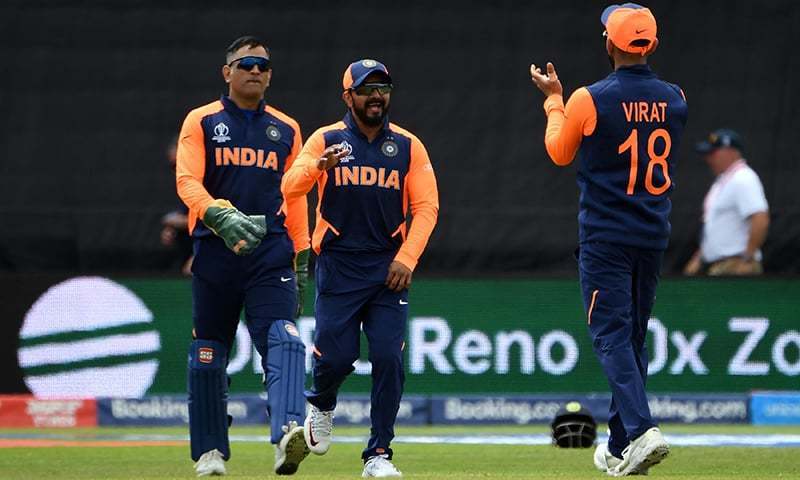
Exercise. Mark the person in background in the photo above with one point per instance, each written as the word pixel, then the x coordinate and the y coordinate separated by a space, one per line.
pixel 175 236
pixel 735 211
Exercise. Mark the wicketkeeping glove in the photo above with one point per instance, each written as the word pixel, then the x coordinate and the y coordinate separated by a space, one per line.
pixel 241 233
pixel 301 273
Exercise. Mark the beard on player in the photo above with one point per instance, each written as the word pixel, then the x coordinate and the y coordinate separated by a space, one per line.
pixel 372 113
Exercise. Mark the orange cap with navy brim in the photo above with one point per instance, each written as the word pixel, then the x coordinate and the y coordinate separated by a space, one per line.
pixel 630 27
pixel 357 72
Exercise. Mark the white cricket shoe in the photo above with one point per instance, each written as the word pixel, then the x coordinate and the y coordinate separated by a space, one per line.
pixel 603 459
pixel 291 450
pixel 380 466
pixel 318 430
pixel 210 463
pixel 644 452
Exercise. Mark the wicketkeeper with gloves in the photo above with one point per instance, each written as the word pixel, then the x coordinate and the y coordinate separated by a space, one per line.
pixel 251 250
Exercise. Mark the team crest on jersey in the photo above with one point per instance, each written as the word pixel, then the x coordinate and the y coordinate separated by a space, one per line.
pixel 221 133
pixel 389 148
pixel 273 133
pixel 349 150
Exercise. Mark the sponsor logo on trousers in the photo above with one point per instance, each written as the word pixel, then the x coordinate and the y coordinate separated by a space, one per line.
pixel 205 355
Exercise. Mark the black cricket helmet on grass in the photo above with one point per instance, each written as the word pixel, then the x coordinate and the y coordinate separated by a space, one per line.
pixel 574 427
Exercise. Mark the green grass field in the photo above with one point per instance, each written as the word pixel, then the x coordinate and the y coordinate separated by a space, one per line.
pixel 417 461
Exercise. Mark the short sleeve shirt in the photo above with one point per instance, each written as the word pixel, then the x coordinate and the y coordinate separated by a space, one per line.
pixel 735 195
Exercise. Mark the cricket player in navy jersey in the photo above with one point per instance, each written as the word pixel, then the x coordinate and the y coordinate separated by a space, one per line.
pixel 626 129
pixel 251 250
pixel 368 173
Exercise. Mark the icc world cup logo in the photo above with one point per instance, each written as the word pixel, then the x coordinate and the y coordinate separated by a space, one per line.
pixel 221 133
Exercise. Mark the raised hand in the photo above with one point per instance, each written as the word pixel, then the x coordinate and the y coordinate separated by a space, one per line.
pixel 549 83
pixel 331 156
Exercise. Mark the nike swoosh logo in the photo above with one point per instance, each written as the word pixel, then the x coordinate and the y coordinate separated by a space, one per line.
pixel 314 443
pixel 640 31
pixel 403 303
pixel 285 279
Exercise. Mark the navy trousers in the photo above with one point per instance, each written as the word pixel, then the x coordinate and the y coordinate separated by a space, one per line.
pixel 263 283
pixel 222 283
pixel 619 285
pixel 351 295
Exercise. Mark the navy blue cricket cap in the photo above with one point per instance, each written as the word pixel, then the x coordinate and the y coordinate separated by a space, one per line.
pixel 357 72
pixel 722 137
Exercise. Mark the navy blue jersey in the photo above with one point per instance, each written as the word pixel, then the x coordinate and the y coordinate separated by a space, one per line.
pixel 626 165
pixel 363 197
pixel 228 153
pixel 364 200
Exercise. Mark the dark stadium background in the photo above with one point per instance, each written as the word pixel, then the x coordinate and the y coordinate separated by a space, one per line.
pixel 91 93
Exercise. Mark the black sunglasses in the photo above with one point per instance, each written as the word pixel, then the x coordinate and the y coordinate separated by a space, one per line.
pixel 366 89
pixel 247 63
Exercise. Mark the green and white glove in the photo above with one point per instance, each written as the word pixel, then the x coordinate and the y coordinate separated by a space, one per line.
pixel 301 273
pixel 241 233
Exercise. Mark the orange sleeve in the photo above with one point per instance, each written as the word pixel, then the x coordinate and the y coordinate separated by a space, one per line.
pixel 296 208
pixel 566 127
pixel 300 178
pixel 423 197
pixel 190 167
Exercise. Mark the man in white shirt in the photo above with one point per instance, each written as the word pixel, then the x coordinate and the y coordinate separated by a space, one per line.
pixel 735 211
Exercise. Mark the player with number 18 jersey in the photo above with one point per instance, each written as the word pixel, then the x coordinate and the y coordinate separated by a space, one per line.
pixel 626 130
